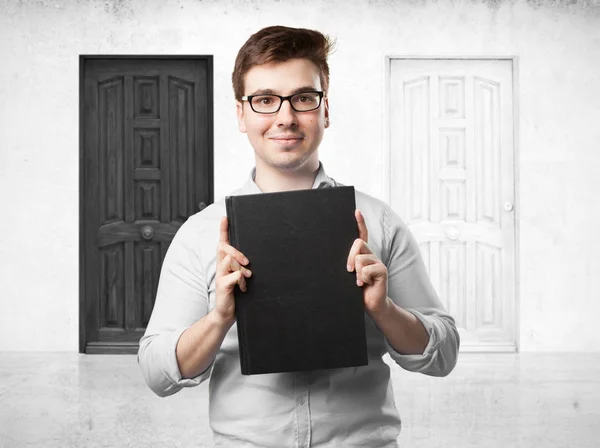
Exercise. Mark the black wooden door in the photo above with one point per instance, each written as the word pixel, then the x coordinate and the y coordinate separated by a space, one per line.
pixel 146 166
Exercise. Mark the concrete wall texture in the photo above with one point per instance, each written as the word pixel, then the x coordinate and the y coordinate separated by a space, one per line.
pixel 557 158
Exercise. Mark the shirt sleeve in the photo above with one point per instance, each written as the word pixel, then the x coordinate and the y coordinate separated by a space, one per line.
pixel 409 286
pixel 181 300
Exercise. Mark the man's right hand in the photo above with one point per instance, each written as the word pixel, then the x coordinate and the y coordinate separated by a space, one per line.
pixel 230 272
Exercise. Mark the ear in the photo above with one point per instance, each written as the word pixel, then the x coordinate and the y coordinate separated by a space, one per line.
pixel 326 104
pixel 240 116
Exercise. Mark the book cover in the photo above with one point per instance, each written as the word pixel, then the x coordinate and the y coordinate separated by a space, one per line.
pixel 302 309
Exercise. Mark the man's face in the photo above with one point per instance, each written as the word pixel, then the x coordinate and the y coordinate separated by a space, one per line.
pixel 287 139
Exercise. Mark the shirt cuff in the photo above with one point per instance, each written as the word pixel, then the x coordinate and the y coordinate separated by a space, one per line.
pixel 171 367
pixel 421 362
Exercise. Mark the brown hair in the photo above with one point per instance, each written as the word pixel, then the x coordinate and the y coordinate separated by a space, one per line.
pixel 280 43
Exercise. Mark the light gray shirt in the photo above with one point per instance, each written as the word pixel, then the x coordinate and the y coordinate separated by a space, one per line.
pixel 349 407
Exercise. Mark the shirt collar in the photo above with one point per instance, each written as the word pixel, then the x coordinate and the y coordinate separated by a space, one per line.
pixel 322 180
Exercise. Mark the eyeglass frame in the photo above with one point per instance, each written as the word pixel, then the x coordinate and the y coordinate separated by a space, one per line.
pixel 282 99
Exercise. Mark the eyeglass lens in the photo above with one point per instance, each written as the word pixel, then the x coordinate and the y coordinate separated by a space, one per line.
pixel 301 102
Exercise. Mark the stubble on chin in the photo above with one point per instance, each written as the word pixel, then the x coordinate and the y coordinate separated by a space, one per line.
pixel 286 161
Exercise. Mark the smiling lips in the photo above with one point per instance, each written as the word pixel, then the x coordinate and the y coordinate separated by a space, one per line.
pixel 287 137
pixel 287 140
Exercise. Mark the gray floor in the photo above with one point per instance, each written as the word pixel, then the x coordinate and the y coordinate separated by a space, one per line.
pixel 496 400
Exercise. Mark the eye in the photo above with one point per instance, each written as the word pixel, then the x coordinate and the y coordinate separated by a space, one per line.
pixel 264 100
pixel 305 99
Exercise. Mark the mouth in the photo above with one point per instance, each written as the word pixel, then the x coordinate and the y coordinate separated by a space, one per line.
pixel 287 137
pixel 287 140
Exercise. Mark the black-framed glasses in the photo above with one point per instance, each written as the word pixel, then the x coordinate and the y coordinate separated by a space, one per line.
pixel 271 103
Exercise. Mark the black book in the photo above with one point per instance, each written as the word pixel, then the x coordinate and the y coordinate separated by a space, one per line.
pixel 302 309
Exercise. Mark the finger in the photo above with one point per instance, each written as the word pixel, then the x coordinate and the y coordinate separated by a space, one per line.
pixel 223 238
pixel 353 252
pixel 224 249
pixel 226 265
pixel 224 230
pixel 235 278
pixel 372 272
pixel 359 246
pixel 363 233
pixel 230 264
pixel 241 281
pixel 364 261
pixel 360 262
pixel 368 275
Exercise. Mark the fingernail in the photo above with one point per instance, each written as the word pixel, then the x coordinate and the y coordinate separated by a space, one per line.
pixel 249 272
pixel 348 267
pixel 246 261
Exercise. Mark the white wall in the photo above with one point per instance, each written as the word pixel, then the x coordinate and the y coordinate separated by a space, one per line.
pixel 557 160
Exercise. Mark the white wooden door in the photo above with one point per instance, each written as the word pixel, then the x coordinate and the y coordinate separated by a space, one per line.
pixel 452 181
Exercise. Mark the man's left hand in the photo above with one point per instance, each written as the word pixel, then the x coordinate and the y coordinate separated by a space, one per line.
pixel 371 273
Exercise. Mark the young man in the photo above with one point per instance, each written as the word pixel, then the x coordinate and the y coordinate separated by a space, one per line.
pixel 280 81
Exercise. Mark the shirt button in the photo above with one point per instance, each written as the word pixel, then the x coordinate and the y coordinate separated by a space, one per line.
pixel 300 401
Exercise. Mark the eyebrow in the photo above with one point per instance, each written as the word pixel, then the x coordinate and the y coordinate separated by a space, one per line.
pixel 273 92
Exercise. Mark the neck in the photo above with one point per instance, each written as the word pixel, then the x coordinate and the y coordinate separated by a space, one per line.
pixel 270 179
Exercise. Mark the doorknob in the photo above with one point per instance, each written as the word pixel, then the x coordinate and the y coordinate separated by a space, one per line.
pixel 201 206
pixel 147 232
pixel 508 206
pixel 452 233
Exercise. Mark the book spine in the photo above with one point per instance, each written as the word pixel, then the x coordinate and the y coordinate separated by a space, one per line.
pixel 242 337
pixel 230 221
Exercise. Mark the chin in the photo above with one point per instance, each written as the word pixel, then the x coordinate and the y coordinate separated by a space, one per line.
pixel 287 164
pixel 288 160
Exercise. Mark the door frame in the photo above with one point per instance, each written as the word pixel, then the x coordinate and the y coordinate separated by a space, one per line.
pixel 387 141
pixel 82 162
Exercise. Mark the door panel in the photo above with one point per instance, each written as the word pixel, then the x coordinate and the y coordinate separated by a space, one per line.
pixel 147 163
pixel 453 183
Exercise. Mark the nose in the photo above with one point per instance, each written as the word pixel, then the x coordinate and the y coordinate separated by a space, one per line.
pixel 286 115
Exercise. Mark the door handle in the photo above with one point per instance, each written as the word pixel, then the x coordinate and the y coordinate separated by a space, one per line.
pixel 147 232
pixel 201 206
pixel 452 233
